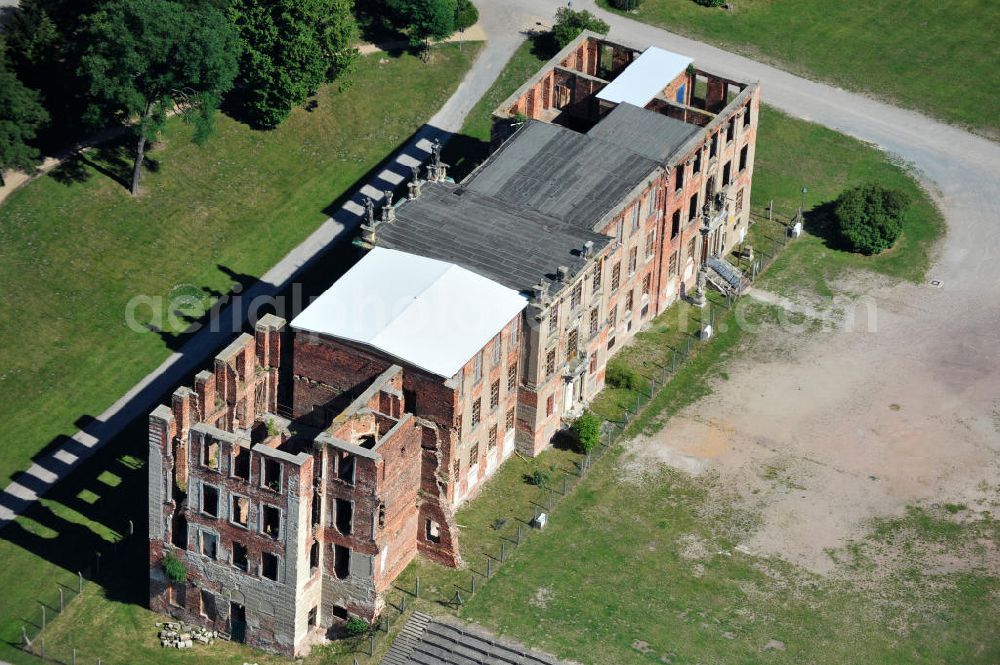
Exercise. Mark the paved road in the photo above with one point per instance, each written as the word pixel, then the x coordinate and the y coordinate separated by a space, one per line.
pixel 962 170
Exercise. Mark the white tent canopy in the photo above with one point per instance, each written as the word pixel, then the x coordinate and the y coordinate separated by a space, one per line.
pixel 645 78
pixel 432 314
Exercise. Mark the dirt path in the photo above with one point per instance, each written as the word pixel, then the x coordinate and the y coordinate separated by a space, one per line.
pixel 818 432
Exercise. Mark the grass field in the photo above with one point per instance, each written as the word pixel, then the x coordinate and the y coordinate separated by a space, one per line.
pixel 614 579
pixel 937 57
pixel 76 247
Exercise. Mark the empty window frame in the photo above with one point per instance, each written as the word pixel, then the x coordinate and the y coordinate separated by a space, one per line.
pixel 345 466
pixel 726 173
pixel 241 558
pixel 515 328
pixel 672 265
pixel 313 617
pixel 692 246
pixel 633 260
pixel 341 562
pixel 474 454
pixel 739 200
pixel 616 276
pixel 713 146
pixel 208 605
pixel 550 363
pixel 744 155
pixel 210 500
pixel 509 423
pixel 344 516
pixel 491 441
pixel 314 556
pixel 628 302
pixel 239 510
pixel 679 180
pixel 270 521
pixel 593 362
pixel 271 474
pixel 635 216
pixel 241 463
pixel 210 453
pixel 511 376
pixel 595 316
pixel 696 166
pixel 675 224
pixel 651 202
pixel 495 394
pixel 693 207
pixel 432 532
pixel 577 297
pixel 269 566
pixel 496 351
pixel 550 404
pixel 554 319
pixel 646 281
pixel 613 317
pixel 210 544
pixel 596 283
pixel 746 116
pixel 731 129
pixel 650 243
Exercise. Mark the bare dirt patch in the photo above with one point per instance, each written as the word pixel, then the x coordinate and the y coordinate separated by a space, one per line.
pixel 819 431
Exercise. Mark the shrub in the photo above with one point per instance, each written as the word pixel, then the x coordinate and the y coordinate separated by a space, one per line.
pixel 539 477
pixel 570 23
pixel 587 429
pixel 711 3
pixel 870 217
pixel 626 5
pixel 620 375
pixel 174 569
pixel 356 626
pixel 466 15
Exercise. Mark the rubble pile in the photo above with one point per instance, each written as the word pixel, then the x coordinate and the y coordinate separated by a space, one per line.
pixel 183 636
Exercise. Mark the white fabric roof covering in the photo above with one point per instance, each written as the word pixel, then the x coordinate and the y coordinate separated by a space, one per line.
pixel 645 78
pixel 429 313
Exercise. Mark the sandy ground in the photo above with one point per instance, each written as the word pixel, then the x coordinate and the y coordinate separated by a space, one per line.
pixel 817 432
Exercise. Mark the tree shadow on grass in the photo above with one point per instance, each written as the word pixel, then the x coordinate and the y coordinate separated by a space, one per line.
pixel 821 222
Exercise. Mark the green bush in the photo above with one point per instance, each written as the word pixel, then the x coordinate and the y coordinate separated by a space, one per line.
pixel 625 5
pixel 466 15
pixel 356 626
pixel 587 429
pixel 620 375
pixel 570 23
pixel 174 569
pixel 711 3
pixel 870 217
pixel 539 478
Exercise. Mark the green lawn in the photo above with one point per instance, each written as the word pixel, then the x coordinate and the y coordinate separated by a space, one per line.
pixel 76 248
pixel 937 57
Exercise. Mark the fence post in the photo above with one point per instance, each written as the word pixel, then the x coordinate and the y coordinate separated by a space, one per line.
pixel 473 584
pixel 80 587
pixel 489 567
pixel 74 656
pixel 517 536
pixel 371 645
pixel 61 604
pixel 770 209
pixel 563 489
pixel 43 614
pixel 416 593
pixel 97 572
pixel 548 501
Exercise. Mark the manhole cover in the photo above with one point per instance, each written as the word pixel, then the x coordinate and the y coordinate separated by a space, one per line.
pixel 936 283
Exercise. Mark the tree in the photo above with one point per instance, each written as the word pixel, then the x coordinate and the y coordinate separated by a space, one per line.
pixel 587 430
pixel 424 20
pixel 289 48
pixel 146 58
pixel 570 23
pixel 870 217
pixel 626 5
pixel 466 14
pixel 43 49
pixel 21 114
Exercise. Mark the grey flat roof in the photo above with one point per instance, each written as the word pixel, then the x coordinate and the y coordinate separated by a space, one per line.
pixel 561 173
pixel 496 239
pixel 647 133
